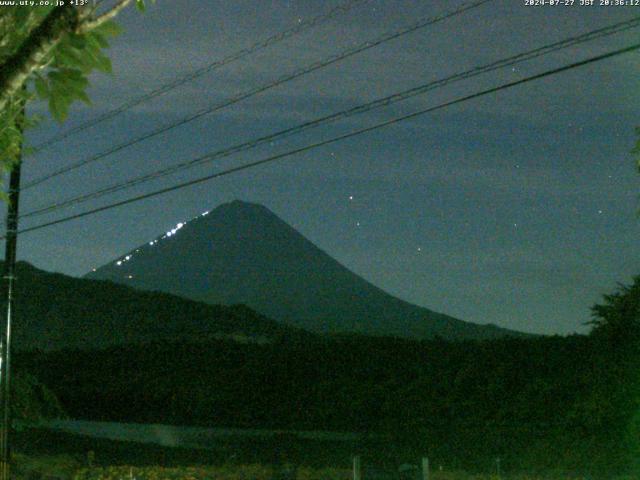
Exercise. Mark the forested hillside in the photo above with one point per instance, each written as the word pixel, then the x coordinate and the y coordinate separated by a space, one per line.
pixel 544 403
pixel 55 311
pixel 465 403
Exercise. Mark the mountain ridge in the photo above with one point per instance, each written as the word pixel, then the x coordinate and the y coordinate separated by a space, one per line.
pixel 55 311
pixel 242 252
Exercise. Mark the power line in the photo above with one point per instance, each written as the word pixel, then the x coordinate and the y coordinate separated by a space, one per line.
pixel 358 109
pixel 335 139
pixel 379 103
pixel 262 44
pixel 261 89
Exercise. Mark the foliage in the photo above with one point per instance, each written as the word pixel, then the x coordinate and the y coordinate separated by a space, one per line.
pixel 32 401
pixel 616 330
pixel 48 52
pixel 462 403
pixel 43 466
pixel 66 74
pixel 257 472
pixel 55 311
pixel 618 316
pixel 61 76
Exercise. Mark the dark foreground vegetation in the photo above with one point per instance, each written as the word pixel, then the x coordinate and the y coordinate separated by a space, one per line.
pixel 563 404
pixel 55 311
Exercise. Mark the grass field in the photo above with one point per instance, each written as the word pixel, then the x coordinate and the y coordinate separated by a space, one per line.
pixel 68 468
pixel 59 456
pixel 260 472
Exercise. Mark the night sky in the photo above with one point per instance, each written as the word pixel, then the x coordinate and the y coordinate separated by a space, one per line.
pixel 518 208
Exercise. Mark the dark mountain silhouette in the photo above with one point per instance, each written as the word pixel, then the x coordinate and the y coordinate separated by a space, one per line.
pixel 243 253
pixel 55 311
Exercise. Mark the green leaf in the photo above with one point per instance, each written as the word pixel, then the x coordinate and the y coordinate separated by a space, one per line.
pixel 140 5
pixel 110 29
pixel 104 64
pixel 97 40
pixel 70 77
pixel 94 58
pixel 59 107
pixel 77 41
pixel 81 94
pixel 41 87
pixel 67 56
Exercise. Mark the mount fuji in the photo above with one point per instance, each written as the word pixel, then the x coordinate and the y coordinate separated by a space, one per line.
pixel 242 253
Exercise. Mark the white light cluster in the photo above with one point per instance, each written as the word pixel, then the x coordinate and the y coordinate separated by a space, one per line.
pixel 126 258
pixel 168 234
pixel 175 229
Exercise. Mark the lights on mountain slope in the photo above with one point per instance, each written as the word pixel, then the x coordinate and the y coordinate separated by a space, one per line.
pixel 175 229
pixel 167 234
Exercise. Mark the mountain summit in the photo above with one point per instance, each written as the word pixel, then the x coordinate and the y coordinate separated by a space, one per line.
pixel 242 253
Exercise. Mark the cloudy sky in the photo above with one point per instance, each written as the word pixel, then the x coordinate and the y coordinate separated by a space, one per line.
pixel 518 208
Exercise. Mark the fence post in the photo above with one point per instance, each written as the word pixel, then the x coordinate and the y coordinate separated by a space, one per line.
pixel 425 468
pixel 357 472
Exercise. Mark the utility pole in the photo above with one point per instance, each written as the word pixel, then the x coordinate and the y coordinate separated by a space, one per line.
pixel 425 468
pixel 357 468
pixel 8 280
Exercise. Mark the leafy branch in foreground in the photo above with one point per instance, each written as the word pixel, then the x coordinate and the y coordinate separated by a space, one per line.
pixel 48 53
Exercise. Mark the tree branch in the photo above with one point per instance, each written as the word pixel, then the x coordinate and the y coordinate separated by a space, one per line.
pixel 15 71
pixel 110 14
pixel 30 55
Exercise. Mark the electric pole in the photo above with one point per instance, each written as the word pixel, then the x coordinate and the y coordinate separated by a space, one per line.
pixel 8 279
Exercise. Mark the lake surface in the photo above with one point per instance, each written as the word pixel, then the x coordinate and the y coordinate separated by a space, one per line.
pixel 177 436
